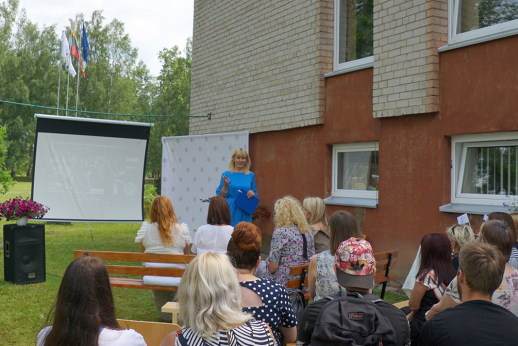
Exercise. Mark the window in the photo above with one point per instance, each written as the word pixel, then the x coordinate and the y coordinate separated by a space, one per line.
pixel 485 168
pixel 355 170
pixel 481 20
pixel 353 40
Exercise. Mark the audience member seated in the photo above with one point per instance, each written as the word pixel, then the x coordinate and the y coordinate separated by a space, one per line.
pixel 497 233
pixel 266 300
pixel 292 242
pixel 214 236
pixel 354 279
pixel 315 212
pixel 84 314
pixel 163 236
pixel 321 274
pixel 477 321
pixel 210 306
pixel 513 260
pixel 459 235
pixel 435 273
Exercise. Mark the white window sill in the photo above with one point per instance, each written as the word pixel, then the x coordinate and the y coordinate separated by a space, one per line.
pixel 476 40
pixel 352 202
pixel 461 208
pixel 367 64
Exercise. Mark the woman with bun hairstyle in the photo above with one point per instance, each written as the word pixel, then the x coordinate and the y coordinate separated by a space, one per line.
pixel 266 300
pixel 238 178
pixel 163 235
pixel 215 234
pixel 315 212
pixel 84 314
pixel 292 242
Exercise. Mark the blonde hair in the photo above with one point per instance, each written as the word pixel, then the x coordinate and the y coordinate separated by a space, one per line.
pixel 210 295
pixel 162 213
pixel 240 152
pixel 288 212
pixel 514 215
pixel 317 208
pixel 462 234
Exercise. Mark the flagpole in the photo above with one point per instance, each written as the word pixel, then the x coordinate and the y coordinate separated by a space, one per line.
pixel 68 83
pixel 78 77
pixel 59 83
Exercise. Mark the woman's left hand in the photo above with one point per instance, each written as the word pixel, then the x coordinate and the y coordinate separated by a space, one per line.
pixel 250 194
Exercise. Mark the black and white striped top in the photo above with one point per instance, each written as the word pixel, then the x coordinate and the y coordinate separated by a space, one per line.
pixel 250 333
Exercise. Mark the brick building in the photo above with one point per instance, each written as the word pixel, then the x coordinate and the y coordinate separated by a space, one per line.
pixel 401 112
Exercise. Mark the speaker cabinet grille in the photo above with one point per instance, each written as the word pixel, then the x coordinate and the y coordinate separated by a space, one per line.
pixel 24 253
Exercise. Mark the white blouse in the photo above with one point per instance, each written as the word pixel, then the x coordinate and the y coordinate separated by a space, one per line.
pixel 211 238
pixel 107 337
pixel 149 235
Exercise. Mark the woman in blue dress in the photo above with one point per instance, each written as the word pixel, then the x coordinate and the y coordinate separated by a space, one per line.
pixel 238 178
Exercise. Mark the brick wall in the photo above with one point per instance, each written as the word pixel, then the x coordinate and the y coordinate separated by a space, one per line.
pixel 407 34
pixel 259 65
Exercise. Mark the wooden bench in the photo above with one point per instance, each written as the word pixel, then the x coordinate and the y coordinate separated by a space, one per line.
pixel 138 270
pixel 152 332
pixel 302 281
pixel 384 262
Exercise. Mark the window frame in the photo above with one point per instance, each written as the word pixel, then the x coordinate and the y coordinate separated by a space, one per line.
pixel 478 35
pixel 348 65
pixel 459 147
pixel 351 147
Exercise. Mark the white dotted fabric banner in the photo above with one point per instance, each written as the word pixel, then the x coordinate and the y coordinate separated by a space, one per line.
pixel 191 171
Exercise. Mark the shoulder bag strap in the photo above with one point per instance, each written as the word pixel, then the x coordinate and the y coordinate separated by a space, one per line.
pixel 305 247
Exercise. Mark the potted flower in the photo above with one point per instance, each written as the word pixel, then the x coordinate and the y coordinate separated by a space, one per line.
pixel 22 209
pixel 260 212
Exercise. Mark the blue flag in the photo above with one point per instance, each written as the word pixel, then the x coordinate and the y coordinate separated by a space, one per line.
pixel 86 46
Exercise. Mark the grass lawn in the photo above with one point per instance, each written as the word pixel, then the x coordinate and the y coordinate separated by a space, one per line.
pixel 25 307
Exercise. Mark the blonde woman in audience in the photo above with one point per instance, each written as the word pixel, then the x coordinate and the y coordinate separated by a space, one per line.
pixel 513 261
pixel 321 273
pixel 209 296
pixel 84 314
pixel 292 242
pixel 459 235
pixel 163 235
pixel 315 212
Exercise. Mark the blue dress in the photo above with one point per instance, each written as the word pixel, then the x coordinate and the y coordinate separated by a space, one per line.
pixel 238 181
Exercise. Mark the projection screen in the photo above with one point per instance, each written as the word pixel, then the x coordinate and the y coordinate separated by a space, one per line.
pixel 90 169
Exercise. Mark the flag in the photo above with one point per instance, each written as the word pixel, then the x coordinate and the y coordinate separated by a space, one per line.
pixel 65 53
pixel 86 47
pixel 75 50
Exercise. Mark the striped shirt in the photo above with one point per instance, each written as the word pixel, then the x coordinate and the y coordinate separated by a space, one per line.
pixel 250 333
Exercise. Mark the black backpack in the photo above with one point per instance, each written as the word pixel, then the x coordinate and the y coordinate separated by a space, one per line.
pixel 351 320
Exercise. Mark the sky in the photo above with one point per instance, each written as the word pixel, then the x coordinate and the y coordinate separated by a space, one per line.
pixel 151 24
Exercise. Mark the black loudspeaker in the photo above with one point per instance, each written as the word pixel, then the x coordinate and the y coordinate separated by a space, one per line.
pixel 24 253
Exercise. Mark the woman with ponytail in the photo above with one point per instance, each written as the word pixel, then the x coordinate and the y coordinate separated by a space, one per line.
pixel 163 235
pixel 266 300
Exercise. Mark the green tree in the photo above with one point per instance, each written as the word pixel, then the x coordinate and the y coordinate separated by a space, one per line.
pixel 5 176
pixel 172 98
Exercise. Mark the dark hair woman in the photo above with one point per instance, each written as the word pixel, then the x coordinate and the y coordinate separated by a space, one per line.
pixel 84 314
pixel 321 273
pixel 266 300
pixel 435 273
pixel 214 236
